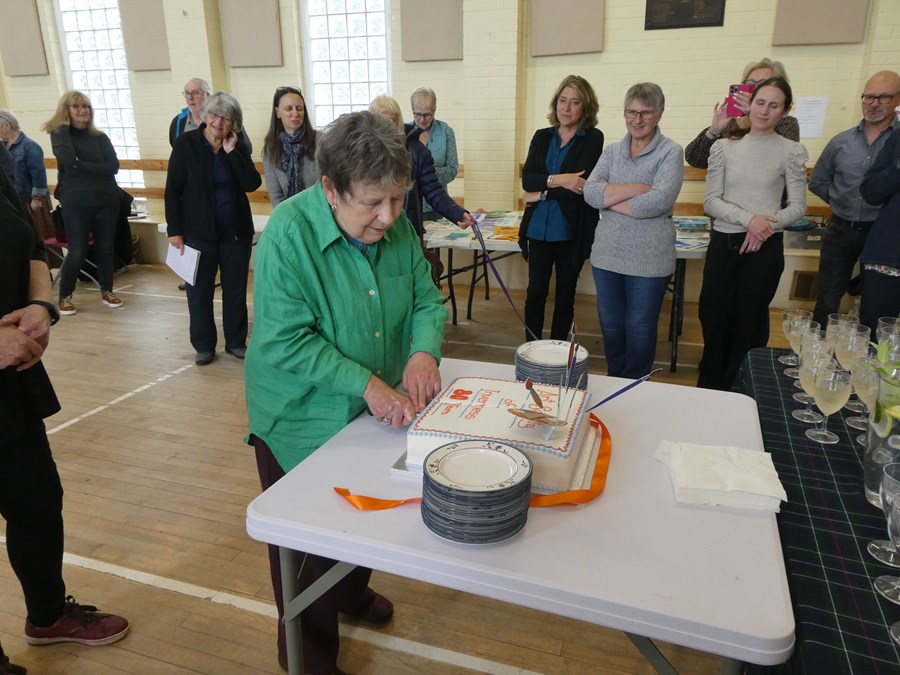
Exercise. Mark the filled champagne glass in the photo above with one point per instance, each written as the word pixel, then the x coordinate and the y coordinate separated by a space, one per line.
pixel 836 323
pixel 831 389
pixel 788 317
pixel 811 360
pixel 852 346
pixel 865 379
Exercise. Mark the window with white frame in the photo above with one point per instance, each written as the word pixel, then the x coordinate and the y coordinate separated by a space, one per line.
pixel 91 37
pixel 347 55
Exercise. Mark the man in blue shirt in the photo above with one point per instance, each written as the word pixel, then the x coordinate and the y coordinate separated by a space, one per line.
pixel 836 178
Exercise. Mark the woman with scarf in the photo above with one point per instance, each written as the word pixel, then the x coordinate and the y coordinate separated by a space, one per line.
pixel 290 147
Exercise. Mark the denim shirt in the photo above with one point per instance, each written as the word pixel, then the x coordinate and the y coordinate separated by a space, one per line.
pixel 548 222
pixel 31 176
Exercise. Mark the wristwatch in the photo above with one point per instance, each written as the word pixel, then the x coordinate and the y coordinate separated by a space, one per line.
pixel 543 196
pixel 51 310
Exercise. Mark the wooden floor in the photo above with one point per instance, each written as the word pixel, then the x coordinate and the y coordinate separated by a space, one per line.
pixel 157 479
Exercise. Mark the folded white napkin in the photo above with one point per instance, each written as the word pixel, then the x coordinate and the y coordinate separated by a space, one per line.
pixel 722 476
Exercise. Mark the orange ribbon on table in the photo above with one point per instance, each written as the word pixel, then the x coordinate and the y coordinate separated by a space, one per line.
pixel 598 482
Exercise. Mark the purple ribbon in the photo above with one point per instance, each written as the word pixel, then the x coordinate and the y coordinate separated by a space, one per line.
pixel 487 256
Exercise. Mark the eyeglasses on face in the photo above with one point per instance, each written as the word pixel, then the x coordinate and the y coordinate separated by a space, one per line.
pixel 645 114
pixel 881 98
pixel 193 93
pixel 80 106
pixel 423 116
pixel 225 120
pixel 755 83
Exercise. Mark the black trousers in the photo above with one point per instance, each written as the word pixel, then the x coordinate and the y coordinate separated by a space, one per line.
pixel 543 256
pixel 319 621
pixel 880 297
pixel 81 222
pixel 734 304
pixel 231 259
pixel 31 504
pixel 841 247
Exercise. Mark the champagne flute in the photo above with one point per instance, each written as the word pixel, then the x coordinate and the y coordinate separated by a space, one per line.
pixel 852 345
pixel 831 389
pixel 888 586
pixel 811 360
pixel 797 328
pixel 812 338
pixel 835 323
pixel 788 317
pixel 888 330
pixel 886 551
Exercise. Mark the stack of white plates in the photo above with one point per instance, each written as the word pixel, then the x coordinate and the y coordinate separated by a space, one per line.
pixel 476 492
pixel 545 362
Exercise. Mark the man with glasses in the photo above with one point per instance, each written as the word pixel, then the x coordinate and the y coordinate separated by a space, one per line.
pixel 195 93
pixel 836 179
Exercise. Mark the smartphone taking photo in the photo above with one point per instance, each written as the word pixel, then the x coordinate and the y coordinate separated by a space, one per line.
pixel 731 107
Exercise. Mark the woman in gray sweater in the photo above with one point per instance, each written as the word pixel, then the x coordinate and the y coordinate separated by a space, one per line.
pixel 744 186
pixel 635 185
pixel 289 149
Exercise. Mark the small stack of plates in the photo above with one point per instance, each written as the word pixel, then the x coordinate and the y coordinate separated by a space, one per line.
pixel 544 361
pixel 476 492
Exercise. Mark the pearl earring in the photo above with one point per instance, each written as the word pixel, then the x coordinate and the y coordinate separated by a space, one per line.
pixel 333 208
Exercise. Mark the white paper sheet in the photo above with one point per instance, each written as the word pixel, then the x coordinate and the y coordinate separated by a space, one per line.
pixel 810 112
pixel 185 265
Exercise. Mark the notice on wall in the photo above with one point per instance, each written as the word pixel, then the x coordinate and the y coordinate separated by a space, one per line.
pixel 810 112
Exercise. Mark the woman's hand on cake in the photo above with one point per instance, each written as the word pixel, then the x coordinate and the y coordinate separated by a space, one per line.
pixel 387 405
pixel 421 379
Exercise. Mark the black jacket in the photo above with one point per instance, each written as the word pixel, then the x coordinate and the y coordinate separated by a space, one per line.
pixel 426 184
pixel 582 156
pixel 190 188
pixel 881 187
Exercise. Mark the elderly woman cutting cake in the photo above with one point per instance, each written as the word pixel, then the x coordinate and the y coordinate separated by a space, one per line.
pixel 345 311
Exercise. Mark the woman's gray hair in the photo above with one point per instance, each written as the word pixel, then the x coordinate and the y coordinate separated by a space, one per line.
pixel 777 68
pixel 225 105
pixel 647 93
pixel 6 115
pixel 363 147
pixel 426 95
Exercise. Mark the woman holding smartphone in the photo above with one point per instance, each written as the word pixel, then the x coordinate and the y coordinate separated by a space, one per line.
pixel 748 174
pixel 725 125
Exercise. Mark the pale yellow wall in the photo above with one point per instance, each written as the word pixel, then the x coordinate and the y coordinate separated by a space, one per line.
pixel 498 94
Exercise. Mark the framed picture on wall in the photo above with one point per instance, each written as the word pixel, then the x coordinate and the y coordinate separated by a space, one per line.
pixel 662 14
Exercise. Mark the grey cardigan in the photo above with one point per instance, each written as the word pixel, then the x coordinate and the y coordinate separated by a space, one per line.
pixel 642 244
pixel 277 180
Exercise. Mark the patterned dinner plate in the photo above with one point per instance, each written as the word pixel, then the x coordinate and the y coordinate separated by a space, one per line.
pixel 477 466
pixel 549 352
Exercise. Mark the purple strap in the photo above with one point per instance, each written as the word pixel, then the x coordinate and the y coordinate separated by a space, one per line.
pixel 487 256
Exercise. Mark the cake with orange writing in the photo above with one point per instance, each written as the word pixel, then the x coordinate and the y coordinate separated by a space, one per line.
pixel 477 408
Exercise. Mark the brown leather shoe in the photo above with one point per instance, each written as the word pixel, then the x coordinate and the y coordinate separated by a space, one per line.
pixel 377 614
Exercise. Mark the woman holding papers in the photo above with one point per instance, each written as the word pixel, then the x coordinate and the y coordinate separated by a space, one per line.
pixel 558 226
pixel 744 186
pixel 345 312
pixel 210 172
pixel 635 185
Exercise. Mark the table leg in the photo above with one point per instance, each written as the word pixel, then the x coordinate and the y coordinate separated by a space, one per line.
pixel 651 652
pixel 295 602
pixel 475 265
pixel 450 290
pixel 677 316
pixel 732 666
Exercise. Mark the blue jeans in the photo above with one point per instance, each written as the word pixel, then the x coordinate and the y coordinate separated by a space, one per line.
pixel 628 308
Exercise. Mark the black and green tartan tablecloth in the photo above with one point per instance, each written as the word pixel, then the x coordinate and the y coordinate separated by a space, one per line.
pixel 842 623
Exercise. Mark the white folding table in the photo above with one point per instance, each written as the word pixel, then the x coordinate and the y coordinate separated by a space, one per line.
pixel 633 559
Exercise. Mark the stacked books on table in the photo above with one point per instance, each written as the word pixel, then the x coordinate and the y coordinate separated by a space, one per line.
pixel 691 232
pixel 476 492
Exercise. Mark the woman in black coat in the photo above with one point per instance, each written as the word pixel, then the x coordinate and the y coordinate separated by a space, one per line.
pixel 558 226
pixel 210 172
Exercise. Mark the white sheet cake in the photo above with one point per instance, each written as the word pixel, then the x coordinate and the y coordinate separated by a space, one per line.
pixel 476 408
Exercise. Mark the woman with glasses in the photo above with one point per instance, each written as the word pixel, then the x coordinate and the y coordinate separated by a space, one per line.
pixel 210 172
pixel 722 126
pixel 87 190
pixel 289 150
pixel 747 177
pixel 558 226
pixel 635 185
pixel 438 137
